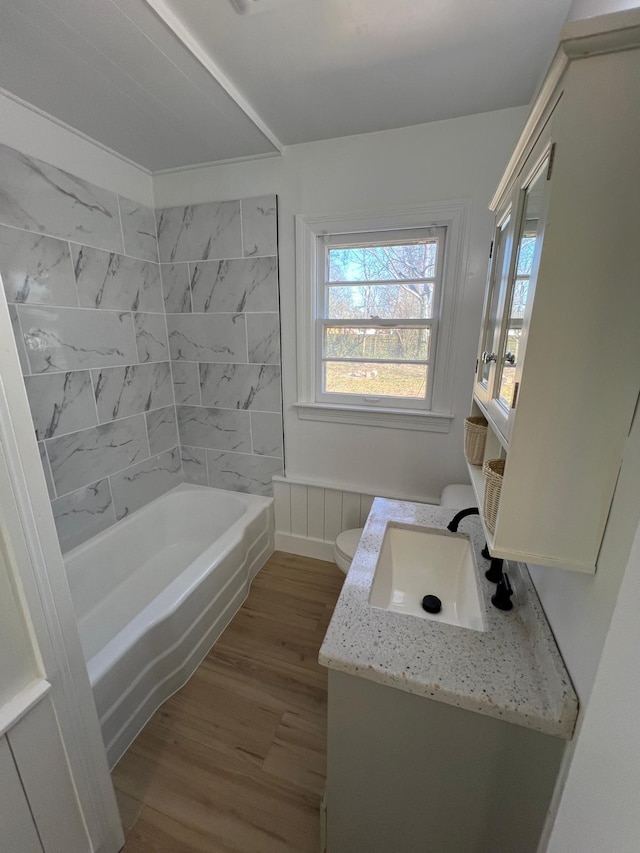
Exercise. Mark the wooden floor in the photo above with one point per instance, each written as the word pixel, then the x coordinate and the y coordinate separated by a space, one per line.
pixel 235 761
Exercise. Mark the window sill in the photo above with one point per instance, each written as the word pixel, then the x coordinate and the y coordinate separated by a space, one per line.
pixel 380 417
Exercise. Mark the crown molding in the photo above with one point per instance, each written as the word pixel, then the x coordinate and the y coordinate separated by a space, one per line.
pixel 73 130
pixel 601 34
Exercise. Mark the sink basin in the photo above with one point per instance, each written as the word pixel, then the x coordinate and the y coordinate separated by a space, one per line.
pixel 414 563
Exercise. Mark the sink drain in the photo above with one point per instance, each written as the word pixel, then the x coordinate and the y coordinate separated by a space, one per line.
pixel 432 604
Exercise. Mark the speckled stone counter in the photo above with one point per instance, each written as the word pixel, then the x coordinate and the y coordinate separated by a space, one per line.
pixel 512 670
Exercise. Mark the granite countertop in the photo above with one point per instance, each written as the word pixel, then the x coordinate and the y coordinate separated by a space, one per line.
pixel 512 670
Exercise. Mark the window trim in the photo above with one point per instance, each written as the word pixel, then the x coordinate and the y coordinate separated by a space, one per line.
pixel 422 404
pixel 454 216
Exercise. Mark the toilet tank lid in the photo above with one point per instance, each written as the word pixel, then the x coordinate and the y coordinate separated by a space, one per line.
pixel 457 496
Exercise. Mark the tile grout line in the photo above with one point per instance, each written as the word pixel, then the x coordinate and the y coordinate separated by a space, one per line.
pixel 103 367
pixel 124 254
pixel 146 363
pixel 104 423
pixel 236 452
pixel 173 388
pixel 81 488
pixel 129 310
pixel 118 471
pixel 60 239
pixel 119 311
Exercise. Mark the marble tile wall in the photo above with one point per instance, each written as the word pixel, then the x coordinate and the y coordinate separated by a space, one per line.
pixel 149 341
pixel 80 270
pixel 219 270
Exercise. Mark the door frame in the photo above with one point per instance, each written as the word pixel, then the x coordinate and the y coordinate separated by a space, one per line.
pixel 38 568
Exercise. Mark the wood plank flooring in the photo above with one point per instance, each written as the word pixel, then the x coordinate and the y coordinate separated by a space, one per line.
pixel 235 761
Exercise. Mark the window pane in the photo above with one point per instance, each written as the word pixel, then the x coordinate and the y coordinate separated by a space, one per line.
pixel 384 263
pixel 508 378
pixel 519 300
pixel 525 253
pixel 521 289
pixel 376 380
pixel 410 301
pixel 392 344
pixel 493 318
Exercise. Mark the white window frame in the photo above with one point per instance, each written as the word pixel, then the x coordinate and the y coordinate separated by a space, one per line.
pixel 374 238
pixel 310 234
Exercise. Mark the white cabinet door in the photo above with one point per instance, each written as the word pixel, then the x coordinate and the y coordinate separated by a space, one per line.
pixel 515 299
pixel 494 306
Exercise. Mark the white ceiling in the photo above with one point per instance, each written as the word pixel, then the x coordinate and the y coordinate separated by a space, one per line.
pixel 300 70
pixel 113 70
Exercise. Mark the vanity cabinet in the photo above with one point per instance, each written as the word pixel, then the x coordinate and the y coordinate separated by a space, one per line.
pixel 409 774
pixel 558 369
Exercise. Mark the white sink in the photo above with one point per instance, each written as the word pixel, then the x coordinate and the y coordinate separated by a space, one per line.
pixel 415 563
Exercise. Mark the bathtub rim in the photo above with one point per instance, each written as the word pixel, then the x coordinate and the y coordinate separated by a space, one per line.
pixel 74 553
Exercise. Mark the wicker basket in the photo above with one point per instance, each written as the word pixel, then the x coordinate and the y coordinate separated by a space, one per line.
pixel 475 436
pixel 493 470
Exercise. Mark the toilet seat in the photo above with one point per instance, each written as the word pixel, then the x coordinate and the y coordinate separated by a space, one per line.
pixel 345 547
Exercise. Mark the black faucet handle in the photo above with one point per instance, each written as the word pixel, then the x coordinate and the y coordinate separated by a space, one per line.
pixel 502 596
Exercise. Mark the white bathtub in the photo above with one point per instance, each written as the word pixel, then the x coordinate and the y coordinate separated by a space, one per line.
pixel 154 592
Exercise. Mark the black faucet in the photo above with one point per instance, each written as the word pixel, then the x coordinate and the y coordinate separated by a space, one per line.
pixel 457 518
pixel 494 572
pixel 502 596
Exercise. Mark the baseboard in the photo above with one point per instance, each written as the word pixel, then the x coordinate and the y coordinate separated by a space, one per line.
pixel 304 547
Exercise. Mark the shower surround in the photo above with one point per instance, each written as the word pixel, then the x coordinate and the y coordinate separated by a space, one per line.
pixel 99 324
pixel 220 272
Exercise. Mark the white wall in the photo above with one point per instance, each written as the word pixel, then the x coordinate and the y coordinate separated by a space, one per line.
pixel 579 607
pixel 37 135
pixel 460 158
pixel 600 805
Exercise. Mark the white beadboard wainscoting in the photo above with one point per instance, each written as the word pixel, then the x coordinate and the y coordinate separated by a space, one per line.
pixel 309 516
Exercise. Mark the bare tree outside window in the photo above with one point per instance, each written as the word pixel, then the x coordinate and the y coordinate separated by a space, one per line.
pixel 381 299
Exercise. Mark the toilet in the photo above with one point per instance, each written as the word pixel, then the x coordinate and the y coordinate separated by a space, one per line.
pixel 457 496
pixel 454 496
pixel 345 547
